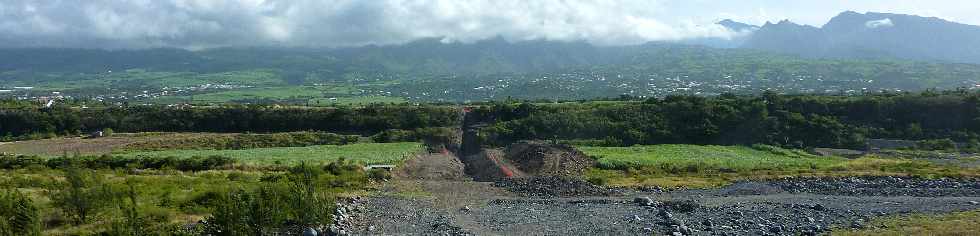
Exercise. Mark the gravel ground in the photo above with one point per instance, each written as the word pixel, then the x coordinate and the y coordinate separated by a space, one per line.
pixel 549 187
pixel 783 207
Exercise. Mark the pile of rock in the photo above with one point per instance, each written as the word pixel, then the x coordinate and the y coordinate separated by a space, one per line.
pixel 343 216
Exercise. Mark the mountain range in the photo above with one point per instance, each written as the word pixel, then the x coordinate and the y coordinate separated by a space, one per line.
pixel 869 35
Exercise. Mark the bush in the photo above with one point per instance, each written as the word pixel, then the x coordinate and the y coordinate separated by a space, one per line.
pixel 936 144
pixel 84 197
pixel 114 162
pixel 18 215
pixel 301 197
pixel 379 174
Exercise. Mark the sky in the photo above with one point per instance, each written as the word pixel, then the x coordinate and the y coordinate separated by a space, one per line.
pixel 197 24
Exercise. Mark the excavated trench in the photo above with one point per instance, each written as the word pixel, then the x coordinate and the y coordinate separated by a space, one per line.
pixel 481 164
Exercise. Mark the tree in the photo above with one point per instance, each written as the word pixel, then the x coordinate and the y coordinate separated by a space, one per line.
pixel 85 195
pixel 18 215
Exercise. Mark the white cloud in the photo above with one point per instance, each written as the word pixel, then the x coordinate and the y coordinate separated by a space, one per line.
pixel 210 23
pixel 874 24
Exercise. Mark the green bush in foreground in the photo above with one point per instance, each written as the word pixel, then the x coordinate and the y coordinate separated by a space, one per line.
pixel 82 201
pixel 18 215
pixel 300 197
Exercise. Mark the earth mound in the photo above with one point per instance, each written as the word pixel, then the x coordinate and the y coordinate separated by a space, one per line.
pixel 546 159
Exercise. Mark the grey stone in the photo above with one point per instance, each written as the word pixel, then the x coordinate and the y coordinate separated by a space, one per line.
pixel 643 201
pixel 310 232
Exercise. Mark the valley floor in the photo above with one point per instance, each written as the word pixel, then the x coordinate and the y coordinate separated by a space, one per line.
pixel 451 204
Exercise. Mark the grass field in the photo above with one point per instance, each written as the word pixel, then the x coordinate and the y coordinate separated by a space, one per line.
pixel 671 157
pixel 81 146
pixel 368 153
pixel 675 165
pixel 961 223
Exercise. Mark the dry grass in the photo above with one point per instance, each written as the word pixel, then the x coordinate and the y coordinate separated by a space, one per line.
pixel 961 223
pixel 84 146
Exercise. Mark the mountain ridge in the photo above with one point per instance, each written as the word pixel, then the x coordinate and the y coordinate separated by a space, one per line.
pixel 873 35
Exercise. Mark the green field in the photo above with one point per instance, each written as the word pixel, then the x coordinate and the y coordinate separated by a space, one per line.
pixel 682 165
pixel 368 153
pixel 727 158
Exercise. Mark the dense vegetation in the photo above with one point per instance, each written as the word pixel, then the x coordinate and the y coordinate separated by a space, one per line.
pixel 246 141
pixel 362 120
pixel 119 196
pixel 783 120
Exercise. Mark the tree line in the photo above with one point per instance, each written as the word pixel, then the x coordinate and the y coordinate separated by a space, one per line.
pixel 769 118
pixel 362 120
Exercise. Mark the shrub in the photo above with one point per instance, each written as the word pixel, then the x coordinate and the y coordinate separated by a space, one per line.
pixel 299 197
pixel 85 195
pixel 115 162
pixel 18 215
pixel 379 174
pixel 598 180
pixel 936 144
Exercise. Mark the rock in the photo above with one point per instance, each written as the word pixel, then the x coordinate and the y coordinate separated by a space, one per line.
pixel 310 232
pixel 637 218
pixel 776 229
pixel 643 201
pixel 371 228
pixel 685 230
pixel 857 224
pixel 819 207
pixel 707 223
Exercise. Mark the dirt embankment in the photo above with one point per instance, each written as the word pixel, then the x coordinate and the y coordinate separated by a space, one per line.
pixel 490 165
pixel 431 166
pixel 545 159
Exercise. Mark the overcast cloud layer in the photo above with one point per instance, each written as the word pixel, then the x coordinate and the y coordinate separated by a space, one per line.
pixel 334 23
